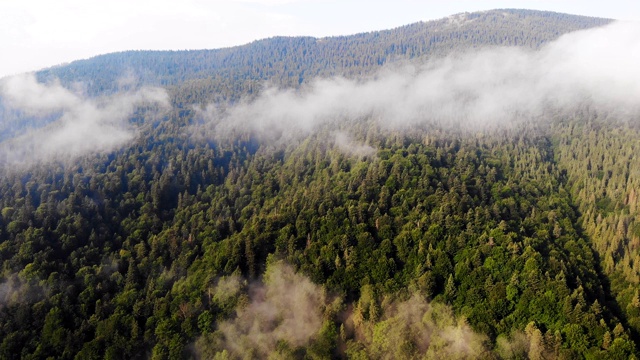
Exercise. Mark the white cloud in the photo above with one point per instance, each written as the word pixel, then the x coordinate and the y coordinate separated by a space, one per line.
pixel 287 307
pixel 82 126
pixel 26 93
pixel 16 290
pixel 488 88
pixel 346 144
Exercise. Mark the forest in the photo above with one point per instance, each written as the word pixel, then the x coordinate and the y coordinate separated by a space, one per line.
pixel 239 203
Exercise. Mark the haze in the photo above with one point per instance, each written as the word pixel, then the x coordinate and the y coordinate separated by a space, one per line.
pixel 35 34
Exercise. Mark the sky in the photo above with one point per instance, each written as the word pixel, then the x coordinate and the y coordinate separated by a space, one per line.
pixel 35 34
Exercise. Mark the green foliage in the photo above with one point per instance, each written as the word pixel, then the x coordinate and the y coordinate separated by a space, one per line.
pixel 526 234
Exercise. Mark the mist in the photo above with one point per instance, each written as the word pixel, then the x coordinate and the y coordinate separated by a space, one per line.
pixel 412 328
pixel 75 125
pixel 15 290
pixel 286 307
pixel 286 310
pixel 487 89
pixel 348 145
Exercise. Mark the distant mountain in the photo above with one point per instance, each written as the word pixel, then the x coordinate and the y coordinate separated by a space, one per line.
pixel 290 61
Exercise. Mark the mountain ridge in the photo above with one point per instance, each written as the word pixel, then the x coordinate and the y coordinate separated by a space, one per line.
pixel 310 57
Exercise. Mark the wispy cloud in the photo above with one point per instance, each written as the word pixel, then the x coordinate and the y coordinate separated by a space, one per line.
pixel 80 125
pixel 348 145
pixel 415 328
pixel 490 88
pixel 14 290
pixel 286 308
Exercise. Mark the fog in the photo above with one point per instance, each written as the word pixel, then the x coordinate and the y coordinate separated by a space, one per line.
pixel 492 88
pixel 15 290
pixel 75 124
pixel 415 328
pixel 346 144
pixel 286 307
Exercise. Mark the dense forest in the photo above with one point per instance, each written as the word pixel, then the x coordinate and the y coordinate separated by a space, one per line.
pixel 189 239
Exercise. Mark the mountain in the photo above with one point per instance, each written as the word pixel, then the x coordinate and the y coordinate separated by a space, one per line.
pixel 290 61
pixel 460 188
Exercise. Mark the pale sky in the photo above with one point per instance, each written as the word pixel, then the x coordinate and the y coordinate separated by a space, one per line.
pixel 35 34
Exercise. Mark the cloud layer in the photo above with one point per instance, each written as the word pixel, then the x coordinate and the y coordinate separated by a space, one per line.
pixel 490 88
pixel 80 125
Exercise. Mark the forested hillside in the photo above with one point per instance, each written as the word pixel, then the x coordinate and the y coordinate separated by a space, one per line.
pixel 204 214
